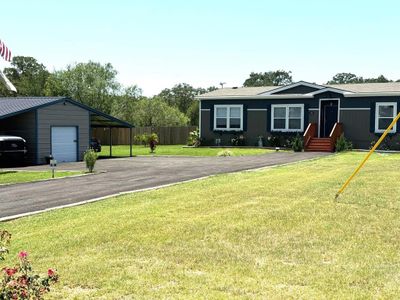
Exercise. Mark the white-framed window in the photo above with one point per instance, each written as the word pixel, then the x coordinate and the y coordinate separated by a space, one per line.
pixel 385 112
pixel 287 117
pixel 228 117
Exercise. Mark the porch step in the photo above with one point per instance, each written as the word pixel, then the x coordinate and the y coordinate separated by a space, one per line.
pixel 319 145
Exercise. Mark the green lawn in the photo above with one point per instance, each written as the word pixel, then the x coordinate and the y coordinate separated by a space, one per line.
pixel 273 233
pixel 123 150
pixel 7 177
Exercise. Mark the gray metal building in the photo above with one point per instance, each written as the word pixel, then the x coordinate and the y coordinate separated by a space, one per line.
pixel 53 125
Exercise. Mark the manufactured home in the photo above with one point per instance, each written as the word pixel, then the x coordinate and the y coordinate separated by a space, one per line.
pixel 318 113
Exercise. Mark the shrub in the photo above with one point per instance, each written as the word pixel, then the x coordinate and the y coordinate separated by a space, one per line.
pixel 297 143
pixel 90 158
pixel 342 144
pixel 225 153
pixel 20 281
pixel 278 140
pixel 152 141
pixel 238 140
pixel 194 138
pixel 137 139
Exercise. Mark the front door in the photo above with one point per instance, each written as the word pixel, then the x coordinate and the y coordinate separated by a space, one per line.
pixel 329 116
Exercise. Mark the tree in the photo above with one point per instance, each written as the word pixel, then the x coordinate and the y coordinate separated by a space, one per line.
pixel 156 112
pixel 28 76
pixel 278 77
pixel 380 78
pixel 90 83
pixel 123 106
pixel 345 78
pixel 182 96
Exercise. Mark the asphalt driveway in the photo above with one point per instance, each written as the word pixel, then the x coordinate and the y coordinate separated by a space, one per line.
pixel 127 174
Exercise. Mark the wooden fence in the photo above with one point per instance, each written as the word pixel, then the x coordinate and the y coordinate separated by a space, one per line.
pixel 166 135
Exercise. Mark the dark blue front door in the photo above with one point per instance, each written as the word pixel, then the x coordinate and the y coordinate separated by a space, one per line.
pixel 329 117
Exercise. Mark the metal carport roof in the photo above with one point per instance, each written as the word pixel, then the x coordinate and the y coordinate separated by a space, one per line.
pixel 11 106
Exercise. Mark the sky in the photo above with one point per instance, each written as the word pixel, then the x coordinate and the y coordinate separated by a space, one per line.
pixel 156 44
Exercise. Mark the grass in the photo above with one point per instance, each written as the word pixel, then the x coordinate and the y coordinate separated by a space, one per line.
pixel 274 233
pixel 123 150
pixel 7 177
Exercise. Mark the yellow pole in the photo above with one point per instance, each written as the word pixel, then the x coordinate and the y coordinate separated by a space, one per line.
pixel 368 155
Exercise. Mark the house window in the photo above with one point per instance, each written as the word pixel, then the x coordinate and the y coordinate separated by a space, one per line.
pixel 288 117
pixel 385 112
pixel 228 117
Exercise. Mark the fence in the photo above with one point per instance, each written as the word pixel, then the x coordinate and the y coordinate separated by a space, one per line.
pixel 166 135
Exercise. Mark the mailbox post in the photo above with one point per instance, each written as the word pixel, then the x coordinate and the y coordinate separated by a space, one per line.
pixel 53 165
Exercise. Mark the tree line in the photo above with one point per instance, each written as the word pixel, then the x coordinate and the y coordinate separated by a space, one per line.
pixel 95 84
pixel 281 77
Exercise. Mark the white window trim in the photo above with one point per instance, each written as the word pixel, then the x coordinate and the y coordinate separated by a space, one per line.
pixel 228 107
pixel 377 130
pixel 273 106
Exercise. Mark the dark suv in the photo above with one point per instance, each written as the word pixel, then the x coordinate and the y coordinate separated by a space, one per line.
pixel 12 150
pixel 95 145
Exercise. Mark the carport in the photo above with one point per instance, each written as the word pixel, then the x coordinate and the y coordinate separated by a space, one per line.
pixel 57 126
pixel 107 122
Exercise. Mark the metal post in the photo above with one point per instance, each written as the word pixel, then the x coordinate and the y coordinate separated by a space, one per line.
pixel 110 141
pixel 130 141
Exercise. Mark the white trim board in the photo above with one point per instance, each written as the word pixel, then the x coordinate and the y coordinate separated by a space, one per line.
pixel 355 108
pixel 328 89
pixel 257 109
pixel 293 85
pixel 200 118
pixel 313 109
pixel 205 109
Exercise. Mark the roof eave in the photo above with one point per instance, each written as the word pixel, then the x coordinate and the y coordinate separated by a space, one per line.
pixel 379 94
pixel 256 97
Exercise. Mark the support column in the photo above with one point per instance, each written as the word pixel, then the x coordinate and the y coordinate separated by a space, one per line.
pixel 130 141
pixel 110 128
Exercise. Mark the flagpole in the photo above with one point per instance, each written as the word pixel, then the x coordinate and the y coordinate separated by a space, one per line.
pixel 5 53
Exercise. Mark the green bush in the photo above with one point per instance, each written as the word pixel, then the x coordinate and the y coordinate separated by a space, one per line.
pixel 278 140
pixel 297 143
pixel 194 138
pixel 225 153
pixel 142 139
pixel 90 158
pixel 342 144
pixel 238 140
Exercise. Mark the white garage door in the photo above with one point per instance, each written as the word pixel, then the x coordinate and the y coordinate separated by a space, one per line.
pixel 64 143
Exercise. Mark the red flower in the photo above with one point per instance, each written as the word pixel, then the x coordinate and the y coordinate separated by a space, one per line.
pixel 10 271
pixel 23 280
pixel 51 272
pixel 22 254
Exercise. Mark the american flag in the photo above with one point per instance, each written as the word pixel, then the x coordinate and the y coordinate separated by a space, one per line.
pixel 5 53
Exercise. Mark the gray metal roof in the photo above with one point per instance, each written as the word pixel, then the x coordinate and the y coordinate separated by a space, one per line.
pixel 10 106
pixel 16 105
pixel 357 89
